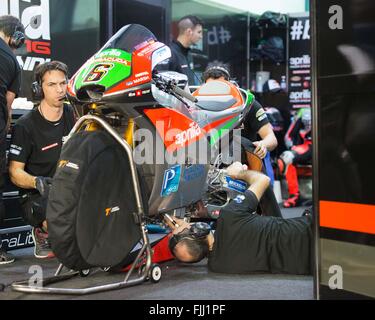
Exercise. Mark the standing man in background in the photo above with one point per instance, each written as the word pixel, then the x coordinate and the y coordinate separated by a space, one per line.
pixel 190 32
pixel 12 37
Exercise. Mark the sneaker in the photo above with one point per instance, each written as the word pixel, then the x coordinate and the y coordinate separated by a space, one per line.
pixel 42 249
pixel 292 201
pixel 5 257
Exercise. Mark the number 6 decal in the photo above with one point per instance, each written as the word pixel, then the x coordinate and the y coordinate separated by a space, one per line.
pixel 98 72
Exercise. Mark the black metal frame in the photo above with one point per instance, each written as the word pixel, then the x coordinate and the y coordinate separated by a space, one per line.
pixel 146 272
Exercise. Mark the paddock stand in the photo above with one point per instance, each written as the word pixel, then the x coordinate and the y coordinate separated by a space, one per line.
pixel 145 272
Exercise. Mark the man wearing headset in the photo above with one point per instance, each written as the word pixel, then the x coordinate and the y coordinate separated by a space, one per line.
pixel 245 242
pixel 11 38
pixel 36 145
pixel 256 124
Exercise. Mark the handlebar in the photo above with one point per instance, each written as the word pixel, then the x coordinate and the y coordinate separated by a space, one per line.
pixel 183 93
pixel 170 86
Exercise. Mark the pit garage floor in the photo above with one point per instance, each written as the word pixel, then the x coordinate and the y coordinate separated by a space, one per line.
pixel 178 282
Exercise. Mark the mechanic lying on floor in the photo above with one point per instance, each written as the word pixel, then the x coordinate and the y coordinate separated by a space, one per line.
pixel 245 242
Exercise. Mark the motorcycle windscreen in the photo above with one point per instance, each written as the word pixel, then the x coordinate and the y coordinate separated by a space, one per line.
pixel 130 38
pixel 114 65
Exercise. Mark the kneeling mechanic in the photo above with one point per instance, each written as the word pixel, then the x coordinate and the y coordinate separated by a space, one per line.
pixel 36 144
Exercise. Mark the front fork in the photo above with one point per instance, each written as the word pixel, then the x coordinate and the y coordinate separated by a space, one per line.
pixel 94 126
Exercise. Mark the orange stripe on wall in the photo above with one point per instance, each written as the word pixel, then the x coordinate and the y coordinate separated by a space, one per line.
pixel 347 216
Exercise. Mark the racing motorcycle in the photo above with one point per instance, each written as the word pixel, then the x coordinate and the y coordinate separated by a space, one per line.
pixel 122 87
pixel 132 108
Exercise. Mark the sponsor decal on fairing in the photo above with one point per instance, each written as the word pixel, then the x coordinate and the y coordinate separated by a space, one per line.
pixel 193 132
pixel 171 181
pixel 194 172
pixel 142 79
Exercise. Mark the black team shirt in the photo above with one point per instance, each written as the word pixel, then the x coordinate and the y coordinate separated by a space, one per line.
pixel 37 142
pixel 180 62
pixel 10 80
pixel 247 243
pixel 255 119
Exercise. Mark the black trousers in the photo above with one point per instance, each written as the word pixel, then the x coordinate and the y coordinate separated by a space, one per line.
pixel 268 204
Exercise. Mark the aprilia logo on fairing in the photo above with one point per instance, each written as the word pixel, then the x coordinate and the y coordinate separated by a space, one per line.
pixel 189 134
pixel 111 52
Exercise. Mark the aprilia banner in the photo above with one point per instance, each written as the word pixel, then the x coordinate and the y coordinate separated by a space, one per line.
pixel 299 62
pixel 68 31
pixel 35 16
